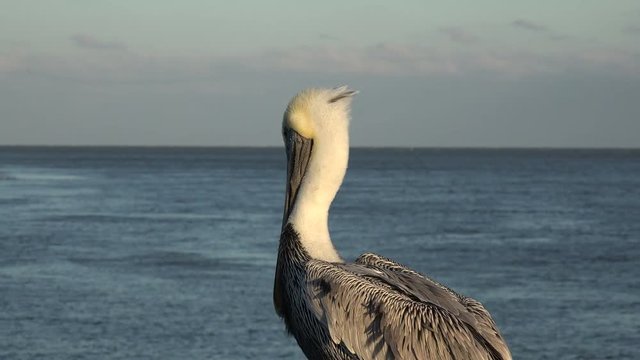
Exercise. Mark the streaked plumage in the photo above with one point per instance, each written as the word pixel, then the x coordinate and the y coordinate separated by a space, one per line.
pixel 372 308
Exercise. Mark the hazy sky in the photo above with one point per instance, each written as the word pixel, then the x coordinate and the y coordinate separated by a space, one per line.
pixel 448 73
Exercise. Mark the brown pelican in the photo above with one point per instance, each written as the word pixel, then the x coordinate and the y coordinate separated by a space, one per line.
pixel 373 308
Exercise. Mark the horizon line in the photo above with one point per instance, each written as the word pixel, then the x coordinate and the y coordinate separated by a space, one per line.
pixel 453 147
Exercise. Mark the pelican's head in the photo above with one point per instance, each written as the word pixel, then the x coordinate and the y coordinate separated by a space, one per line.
pixel 316 122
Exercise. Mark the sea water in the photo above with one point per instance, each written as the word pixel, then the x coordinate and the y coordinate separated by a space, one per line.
pixel 169 253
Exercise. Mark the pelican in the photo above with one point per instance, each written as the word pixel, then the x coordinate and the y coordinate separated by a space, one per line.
pixel 373 308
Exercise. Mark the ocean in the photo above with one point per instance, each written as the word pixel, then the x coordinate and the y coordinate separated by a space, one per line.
pixel 169 253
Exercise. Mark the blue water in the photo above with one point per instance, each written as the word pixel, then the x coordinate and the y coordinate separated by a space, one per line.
pixel 146 253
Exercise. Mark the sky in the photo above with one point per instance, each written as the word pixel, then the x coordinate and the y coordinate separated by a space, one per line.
pixel 489 73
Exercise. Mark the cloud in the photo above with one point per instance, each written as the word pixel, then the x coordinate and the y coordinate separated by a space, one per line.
pixel 459 35
pixel 384 59
pixel 559 37
pixel 396 59
pixel 633 30
pixel 540 29
pixel 86 41
pixel 328 37
pixel 9 63
pixel 528 25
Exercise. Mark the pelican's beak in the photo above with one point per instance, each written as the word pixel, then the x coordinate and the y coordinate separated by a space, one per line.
pixel 298 154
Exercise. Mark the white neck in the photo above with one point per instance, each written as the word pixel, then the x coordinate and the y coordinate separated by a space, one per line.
pixel 324 175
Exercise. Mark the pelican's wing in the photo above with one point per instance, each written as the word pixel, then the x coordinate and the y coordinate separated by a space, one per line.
pixel 474 313
pixel 376 316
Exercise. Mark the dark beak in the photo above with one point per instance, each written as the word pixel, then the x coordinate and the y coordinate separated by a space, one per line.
pixel 298 154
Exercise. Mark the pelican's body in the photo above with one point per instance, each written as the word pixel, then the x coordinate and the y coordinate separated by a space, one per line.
pixel 372 308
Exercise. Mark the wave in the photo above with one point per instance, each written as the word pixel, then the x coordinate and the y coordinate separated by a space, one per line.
pixel 36 174
pixel 175 259
pixel 114 217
